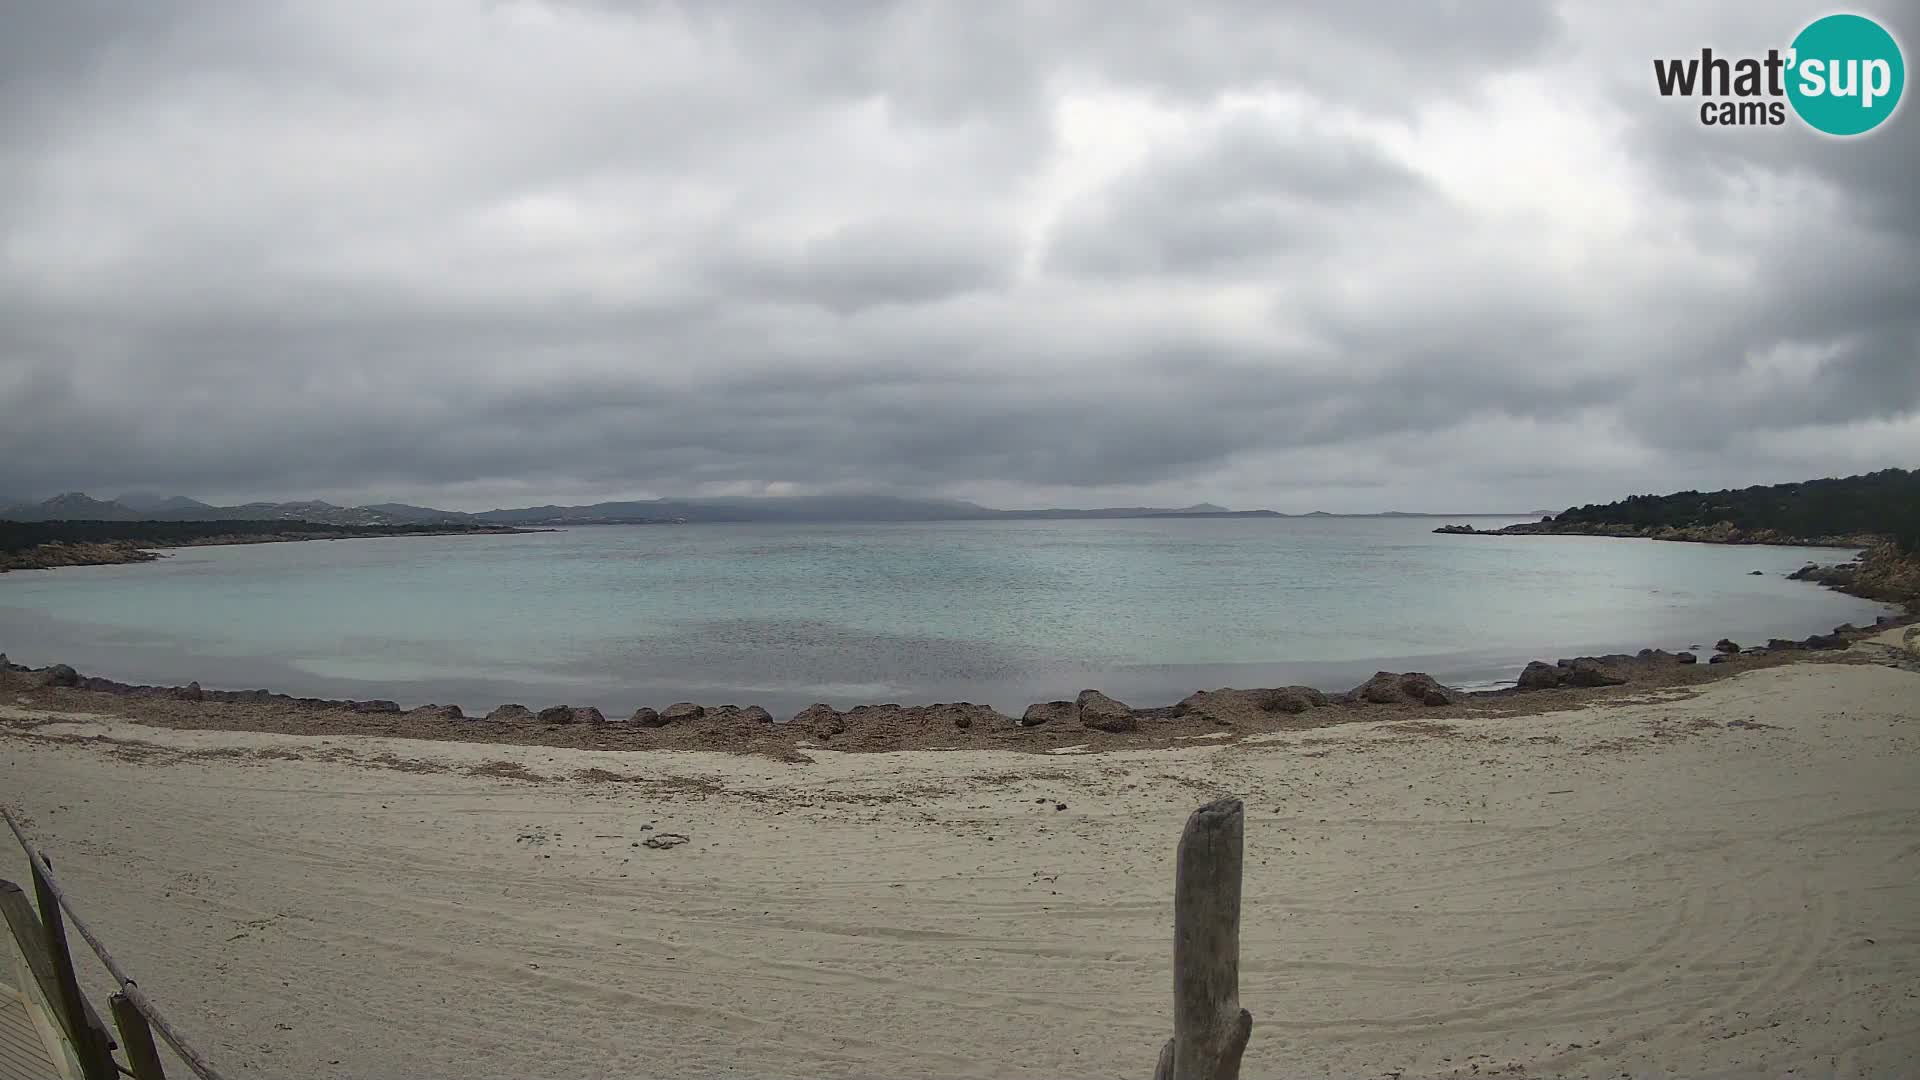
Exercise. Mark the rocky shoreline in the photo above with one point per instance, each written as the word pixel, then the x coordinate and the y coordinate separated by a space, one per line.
pixel 57 554
pixel 1092 720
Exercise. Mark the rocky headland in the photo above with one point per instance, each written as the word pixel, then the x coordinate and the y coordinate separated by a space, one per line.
pixel 54 555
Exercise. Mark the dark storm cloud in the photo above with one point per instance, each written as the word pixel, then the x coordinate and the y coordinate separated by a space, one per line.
pixel 1267 254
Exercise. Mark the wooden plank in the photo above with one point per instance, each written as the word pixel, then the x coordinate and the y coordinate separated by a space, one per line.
pixel 137 1038
pixel 24 1052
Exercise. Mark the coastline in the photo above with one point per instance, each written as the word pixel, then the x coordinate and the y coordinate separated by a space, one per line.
pixel 1091 722
pixel 57 554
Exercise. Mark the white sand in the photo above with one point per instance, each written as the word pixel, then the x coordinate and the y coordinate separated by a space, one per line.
pixel 1635 889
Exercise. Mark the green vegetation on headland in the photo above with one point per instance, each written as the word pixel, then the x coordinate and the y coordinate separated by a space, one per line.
pixel 1853 511
pixel 1884 504
pixel 40 545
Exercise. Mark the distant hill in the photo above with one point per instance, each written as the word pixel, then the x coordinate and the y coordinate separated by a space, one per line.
pixel 402 512
pixel 144 506
pixel 73 506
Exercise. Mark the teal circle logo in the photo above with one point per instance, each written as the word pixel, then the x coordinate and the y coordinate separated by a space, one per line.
pixel 1846 74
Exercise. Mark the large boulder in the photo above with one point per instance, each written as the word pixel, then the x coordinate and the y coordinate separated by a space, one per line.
pixel 436 712
pixel 587 714
pixel 821 720
pixel 682 712
pixel 1285 699
pixel 1781 645
pixel 1539 675
pixel 378 705
pixel 189 692
pixel 1686 658
pixel 645 717
pixel 1229 706
pixel 1586 671
pixel 1726 646
pixel 511 714
pixel 957 714
pixel 60 675
pixel 1223 706
pixel 734 718
pixel 1102 713
pixel 880 725
pixel 1047 712
pixel 1391 688
pixel 1825 641
pixel 556 714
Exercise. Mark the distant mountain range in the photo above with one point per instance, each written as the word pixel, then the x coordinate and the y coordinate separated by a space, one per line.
pixel 145 506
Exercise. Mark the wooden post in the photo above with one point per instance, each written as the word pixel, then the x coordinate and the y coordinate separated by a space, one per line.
pixel 96 1061
pixel 1210 1029
pixel 137 1038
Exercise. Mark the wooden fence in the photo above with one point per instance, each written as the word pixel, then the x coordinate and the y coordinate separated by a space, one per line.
pixel 1210 1029
pixel 42 937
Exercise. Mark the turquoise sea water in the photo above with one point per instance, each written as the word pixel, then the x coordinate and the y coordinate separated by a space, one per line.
pixel 999 612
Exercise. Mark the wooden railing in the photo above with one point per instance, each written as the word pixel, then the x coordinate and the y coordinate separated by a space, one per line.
pixel 1210 1029
pixel 42 937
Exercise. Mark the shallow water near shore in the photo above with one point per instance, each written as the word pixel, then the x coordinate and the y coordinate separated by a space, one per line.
pixel 1003 613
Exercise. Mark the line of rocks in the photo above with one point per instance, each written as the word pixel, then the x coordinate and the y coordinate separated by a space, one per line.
pixel 1090 711
pixel 1610 670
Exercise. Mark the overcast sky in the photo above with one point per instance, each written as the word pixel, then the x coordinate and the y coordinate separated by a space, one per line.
pixel 1361 256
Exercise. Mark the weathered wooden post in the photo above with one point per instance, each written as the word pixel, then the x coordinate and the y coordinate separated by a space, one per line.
pixel 1210 1029
pixel 143 1057
pixel 96 1058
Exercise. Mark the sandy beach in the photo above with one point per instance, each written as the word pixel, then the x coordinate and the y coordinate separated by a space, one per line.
pixel 1717 880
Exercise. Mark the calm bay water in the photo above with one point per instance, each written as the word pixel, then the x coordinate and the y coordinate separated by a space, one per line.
pixel 999 612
